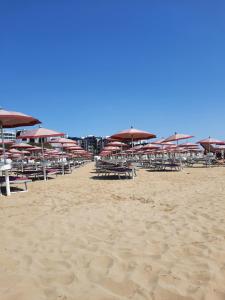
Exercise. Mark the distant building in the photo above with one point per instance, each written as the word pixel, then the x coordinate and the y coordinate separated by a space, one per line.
pixel 9 135
pixel 91 143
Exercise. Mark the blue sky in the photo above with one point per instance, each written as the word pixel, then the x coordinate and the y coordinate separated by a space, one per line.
pixel 97 67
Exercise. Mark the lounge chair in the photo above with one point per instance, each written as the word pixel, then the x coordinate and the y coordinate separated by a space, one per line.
pixel 14 180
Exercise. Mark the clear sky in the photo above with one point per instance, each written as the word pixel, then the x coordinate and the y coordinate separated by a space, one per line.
pixel 100 66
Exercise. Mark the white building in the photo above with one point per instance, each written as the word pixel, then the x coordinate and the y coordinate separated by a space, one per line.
pixel 9 135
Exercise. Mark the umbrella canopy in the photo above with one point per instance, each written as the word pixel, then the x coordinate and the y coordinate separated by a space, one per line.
pixel 62 141
pixel 132 134
pixel 162 142
pixel 15 151
pixel 7 142
pixel 21 146
pixel 34 148
pixel 39 133
pixel 111 148
pixel 12 119
pixel 117 144
pixel 150 146
pixel 177 137
pixel 25 152
pixel 188 145
pixel 210 140
pixel 71 147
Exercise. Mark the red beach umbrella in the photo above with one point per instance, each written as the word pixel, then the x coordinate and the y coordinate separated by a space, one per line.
pixel 210 140
pixel 150 146
pixel 21 146
pixel 62 141
pixel 12 119
pixel 132 134
pixel 117 144
pixel 188 145
pixel 177 137
pixel 39 133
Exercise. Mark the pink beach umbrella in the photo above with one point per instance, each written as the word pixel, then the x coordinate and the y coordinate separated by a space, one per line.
pixel 210 141
pixel 132 134
pixel 12 119
pixel 150 146
pixel 177 137
pixel 62 141
pixel 7 142
pixel 21 146
pixel 40 133
pixel 188 145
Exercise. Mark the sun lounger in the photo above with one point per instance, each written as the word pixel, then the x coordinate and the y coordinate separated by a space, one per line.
pixel 14 180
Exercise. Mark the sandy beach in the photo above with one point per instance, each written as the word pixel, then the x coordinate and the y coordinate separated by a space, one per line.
pixel 159 237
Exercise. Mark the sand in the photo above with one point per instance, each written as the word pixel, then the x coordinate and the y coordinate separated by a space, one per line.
pixel 160 237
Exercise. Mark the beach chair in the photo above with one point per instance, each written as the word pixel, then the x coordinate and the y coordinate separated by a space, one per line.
pixel 15 180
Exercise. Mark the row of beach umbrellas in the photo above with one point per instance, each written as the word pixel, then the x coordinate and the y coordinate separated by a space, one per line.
pixel 11 119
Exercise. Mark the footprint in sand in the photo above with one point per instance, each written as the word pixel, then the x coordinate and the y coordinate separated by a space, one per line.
pixel 99 268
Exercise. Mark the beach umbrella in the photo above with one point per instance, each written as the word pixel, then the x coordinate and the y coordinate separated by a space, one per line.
pixel 40 133
pixel 21 146
pixel 71 147
pixel 12 119
pixel 150 146
pixel 7 142
pixel 34 149
pixel 14 151
pixel 62 141
pixel 132 134
pixel 177 137
pixel 210 141
pixel 117 144
pixel 188 145
pixel 111 148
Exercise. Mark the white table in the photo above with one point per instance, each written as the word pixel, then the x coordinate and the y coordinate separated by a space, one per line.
pixel 5 168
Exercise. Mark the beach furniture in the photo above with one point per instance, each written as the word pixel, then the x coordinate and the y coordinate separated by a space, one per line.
pixel 12 119
pixel 14 180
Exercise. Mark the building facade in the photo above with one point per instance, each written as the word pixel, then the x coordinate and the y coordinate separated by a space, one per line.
pixel 9 135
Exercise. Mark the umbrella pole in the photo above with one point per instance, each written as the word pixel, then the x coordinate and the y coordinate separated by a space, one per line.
pixel 43 160
pixel 6 171
pixel 3 144
pixel 132 145
pixel 63 170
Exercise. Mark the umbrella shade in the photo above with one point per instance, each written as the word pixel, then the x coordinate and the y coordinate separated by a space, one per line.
pixel 7 142
pixel 34 148
pixel 21 146
pixel 210 140
pixel 12 119
pixel 117 144
pixel 62 141
pixel 111 148
pixel 25 152
pixel 132 134
pixel 14 151
pixel 177 137
pixel 71 147
pixel 39 133
pixel 150 146
pixel 188 145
